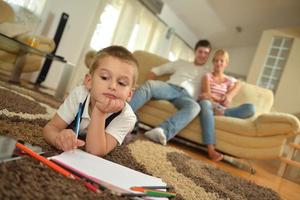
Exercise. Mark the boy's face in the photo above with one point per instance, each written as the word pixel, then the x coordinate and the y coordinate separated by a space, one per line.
pixel 113 78
pixel 201 55
pixel 219 63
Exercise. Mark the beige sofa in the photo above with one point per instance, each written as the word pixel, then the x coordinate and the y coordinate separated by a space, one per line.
pixel 9 27
pixel 261 137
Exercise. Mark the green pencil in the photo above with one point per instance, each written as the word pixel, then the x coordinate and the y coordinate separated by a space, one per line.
pixel 156 193
pixel 153 193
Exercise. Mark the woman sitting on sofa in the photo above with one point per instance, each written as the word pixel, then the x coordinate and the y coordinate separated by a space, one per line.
pixel 216 94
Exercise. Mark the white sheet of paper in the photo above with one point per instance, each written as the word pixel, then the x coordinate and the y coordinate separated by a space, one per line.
pixel 107 171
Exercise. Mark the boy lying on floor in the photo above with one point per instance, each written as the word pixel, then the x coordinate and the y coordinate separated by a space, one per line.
pixel 109 84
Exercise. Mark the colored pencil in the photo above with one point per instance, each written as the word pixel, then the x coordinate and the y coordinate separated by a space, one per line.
pixel 154 187
pixel 91 187
pixel 153 193
pixel 133 194
pixel 54 166
pixel 77 123
pixel 44 160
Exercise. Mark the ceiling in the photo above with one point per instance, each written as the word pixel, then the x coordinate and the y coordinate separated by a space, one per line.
pixel 232 23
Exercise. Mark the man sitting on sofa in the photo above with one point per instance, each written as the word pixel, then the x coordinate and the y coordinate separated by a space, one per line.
pixel 181 90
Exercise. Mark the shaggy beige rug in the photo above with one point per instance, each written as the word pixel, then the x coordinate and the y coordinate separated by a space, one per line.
pixel 23 113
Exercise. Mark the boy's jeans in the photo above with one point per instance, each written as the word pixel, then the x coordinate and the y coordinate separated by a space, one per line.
pixel 188 109
pixel 208 122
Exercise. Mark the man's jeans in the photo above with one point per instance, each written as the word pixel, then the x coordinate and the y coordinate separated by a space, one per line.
pixel 188 109
pixel 207 120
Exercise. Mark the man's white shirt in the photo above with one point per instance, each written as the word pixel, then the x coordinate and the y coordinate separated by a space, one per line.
pixel 184 74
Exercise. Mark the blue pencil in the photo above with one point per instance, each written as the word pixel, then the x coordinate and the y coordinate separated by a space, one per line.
pixel 77 123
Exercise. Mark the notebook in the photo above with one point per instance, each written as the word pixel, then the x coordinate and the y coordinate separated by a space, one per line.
pixel 111 175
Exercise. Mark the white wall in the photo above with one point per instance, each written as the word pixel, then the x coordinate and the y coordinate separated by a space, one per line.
pixel 240 59
pixel 169 17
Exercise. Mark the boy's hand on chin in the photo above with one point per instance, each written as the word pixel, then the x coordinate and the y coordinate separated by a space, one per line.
pixel 108 105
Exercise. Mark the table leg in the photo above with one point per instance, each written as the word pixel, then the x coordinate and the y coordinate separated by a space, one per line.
pixel 18 67
pixel 64 81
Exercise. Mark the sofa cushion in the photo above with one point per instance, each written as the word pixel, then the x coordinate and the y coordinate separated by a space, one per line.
pixel 16 20
pixel 262 98
pixel 32 64
pixel 25 17
pixel 13 29
pixel 7 57
pixel 7 14
pixel 147 61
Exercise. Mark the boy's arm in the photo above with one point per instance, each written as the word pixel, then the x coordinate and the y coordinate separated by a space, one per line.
pixel 98 142
pixel 52 129
pixel 56 134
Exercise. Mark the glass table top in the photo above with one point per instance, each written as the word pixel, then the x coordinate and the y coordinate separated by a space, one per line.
pixel 14 46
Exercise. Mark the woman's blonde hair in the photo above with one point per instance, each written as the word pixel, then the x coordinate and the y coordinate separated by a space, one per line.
pixel 223 53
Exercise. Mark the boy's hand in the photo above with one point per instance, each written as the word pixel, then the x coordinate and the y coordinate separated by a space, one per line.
pixel 108 105
pixel 66 140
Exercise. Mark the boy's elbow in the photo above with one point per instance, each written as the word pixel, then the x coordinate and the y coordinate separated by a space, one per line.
pixel 96 152
pixel 45 131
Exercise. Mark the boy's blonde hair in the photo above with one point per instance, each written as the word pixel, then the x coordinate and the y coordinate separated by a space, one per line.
pixel 118 52
pixel 223 53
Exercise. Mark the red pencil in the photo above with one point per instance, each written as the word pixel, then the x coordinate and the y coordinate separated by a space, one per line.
pixel 91 187
pixel 54 166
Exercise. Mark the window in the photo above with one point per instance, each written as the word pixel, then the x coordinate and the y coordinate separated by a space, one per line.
pixel 180 50
pixel 106 27
pixel 275 62
pixel 130 24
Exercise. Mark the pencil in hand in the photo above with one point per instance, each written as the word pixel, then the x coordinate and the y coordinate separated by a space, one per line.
pixel 77 122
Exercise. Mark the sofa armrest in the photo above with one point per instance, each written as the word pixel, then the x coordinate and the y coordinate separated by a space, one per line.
pixel 276 122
